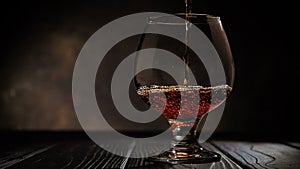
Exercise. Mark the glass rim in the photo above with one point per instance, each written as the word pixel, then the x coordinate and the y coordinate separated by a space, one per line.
pixel 206 19
pixel 209 16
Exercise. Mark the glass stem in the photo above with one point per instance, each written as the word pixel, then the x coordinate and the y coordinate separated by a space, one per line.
pixel 185 144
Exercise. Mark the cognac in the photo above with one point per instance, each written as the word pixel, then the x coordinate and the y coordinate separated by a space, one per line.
pixel 183 100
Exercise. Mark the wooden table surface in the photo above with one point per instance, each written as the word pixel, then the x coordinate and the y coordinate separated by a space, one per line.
pixel 42 151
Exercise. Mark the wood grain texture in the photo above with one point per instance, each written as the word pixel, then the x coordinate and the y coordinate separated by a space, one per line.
pixel 13 157
pixel 293 144
pixel 84 154
pixel 77 151
pixel 261 154
pixel 224 163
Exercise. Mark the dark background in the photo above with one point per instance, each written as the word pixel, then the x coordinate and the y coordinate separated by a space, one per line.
pixel 40 41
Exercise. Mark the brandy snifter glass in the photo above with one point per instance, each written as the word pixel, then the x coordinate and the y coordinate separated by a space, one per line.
pixel 174 98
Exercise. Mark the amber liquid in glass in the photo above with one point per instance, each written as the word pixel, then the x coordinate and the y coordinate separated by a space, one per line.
pixel 188 101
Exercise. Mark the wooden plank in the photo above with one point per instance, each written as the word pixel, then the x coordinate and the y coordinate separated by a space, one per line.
pixel 75 154
pixel 18 156
pixel 15 149
pixel 84 154
pixel 224 163
pixel 293 144
pixel 261 154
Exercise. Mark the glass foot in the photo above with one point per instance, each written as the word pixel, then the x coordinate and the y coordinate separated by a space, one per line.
pixel 198 156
